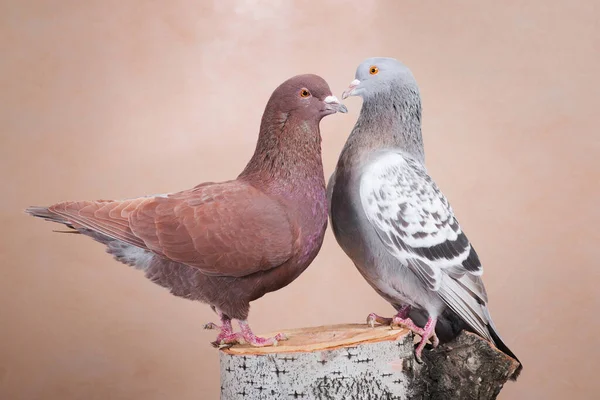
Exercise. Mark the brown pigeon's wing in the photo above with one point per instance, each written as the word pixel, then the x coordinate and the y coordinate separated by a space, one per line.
pixel 229 228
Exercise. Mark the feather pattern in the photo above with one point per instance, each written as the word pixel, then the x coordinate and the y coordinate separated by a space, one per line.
pixel 417 225
pixel 392 220
pixel 221 229
pixel 228 243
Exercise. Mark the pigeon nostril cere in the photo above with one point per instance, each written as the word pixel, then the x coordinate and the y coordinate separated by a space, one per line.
pixel 331 99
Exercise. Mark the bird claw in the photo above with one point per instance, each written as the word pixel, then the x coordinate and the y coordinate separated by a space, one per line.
pixel 224 346
pixel 228 338
pixel 371 320
pixel 419 350
pixel 257 341
pixel 281 337
pixel 408 324
pixel 211 325
pixel 221 345
pixel 427 333
pixel 374 318
pixel 231 339
pixel 418 358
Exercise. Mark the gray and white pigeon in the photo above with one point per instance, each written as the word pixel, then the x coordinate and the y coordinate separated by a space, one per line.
pixel 395 224
pixel 228 243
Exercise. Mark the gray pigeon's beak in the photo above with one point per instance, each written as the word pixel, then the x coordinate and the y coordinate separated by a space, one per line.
pixel 333 104
pixel 351 89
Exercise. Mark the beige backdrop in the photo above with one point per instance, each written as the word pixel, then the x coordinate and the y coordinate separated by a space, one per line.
pixel 114 99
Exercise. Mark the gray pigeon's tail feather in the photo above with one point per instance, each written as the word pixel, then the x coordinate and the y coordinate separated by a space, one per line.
pixel 504 348
pixel 450 325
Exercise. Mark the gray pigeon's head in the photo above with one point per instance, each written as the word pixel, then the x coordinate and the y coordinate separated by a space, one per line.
pixel 379 75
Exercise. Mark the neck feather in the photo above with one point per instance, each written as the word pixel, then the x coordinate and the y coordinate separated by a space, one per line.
pixel 390 120
pixel 288 151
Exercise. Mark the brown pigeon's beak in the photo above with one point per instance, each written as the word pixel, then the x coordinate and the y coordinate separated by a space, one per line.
pixel 351 89
pixel 333 104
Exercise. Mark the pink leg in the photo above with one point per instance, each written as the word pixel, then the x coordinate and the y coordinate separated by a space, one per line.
pixel 249 337
pixel 374 318
pixel 403 311
pixel 226 330
pixel 426 333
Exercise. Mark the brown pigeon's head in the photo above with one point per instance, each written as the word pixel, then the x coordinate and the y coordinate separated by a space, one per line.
pixel 289 137
pixel 305 97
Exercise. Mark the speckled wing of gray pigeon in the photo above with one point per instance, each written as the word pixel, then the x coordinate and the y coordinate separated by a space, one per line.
pixel 417 225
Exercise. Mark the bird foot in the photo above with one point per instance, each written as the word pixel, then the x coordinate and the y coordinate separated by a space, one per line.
pixel 408 324
pixel 426 333
pixel 229 338
pixel 253 340
pixel 402 319
pixel 226 330
pixel 374 318
pixel 225 333
pixel 212 325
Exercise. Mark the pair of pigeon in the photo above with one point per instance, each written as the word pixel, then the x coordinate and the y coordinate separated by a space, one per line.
pixel 229 243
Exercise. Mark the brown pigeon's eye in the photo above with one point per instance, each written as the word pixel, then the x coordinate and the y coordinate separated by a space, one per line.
pixel 304 93
pixel 373 70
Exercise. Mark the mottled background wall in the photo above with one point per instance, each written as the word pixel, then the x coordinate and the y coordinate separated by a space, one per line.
pixel 114 99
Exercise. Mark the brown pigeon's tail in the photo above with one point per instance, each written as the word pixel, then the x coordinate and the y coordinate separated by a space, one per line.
pixel 43 212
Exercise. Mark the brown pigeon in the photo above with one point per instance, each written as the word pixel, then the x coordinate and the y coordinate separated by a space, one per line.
pixel 228 243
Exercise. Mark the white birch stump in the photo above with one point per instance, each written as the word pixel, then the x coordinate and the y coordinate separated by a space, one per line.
pixel 358 362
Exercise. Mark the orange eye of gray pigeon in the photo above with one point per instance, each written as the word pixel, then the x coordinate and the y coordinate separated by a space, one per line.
pixel 373 70
pixel 304 93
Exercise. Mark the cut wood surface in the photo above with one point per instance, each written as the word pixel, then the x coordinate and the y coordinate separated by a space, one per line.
pixel 322 338
pixel 355 361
